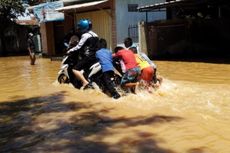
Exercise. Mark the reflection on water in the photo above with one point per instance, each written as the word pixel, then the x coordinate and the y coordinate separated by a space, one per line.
pixel 188 114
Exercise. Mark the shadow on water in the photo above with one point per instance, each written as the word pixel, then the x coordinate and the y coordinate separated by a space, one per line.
pixel 17 133
pixel 197 150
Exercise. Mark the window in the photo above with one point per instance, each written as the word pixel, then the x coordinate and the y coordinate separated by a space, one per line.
pixel 132 7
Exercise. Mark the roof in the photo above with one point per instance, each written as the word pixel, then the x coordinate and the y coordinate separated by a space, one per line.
pixel 162 5
pixel 70 1
pixel 178 3
pixel 82 6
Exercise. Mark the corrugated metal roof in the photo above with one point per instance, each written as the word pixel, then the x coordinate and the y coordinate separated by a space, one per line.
pixel 83 5
pixel 161 5
pixel 181 3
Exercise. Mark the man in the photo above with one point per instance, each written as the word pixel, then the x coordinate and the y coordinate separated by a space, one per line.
pixel 31 48
pixel 87 49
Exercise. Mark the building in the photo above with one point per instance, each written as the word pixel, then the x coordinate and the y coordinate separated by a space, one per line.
pixel 194 28
pixel 113 20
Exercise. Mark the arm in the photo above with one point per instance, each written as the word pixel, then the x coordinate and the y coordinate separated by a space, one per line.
pixel 97 56
pixel 113 55
pixel 28 45
pixel 29 50
pixel 81 42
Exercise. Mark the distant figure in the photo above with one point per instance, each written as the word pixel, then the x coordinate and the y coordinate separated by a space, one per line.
pixel 31 48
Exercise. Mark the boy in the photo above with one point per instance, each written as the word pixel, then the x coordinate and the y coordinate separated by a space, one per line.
pixel 105 59
pixel 147 70
pixel 128 42
pixel 131 66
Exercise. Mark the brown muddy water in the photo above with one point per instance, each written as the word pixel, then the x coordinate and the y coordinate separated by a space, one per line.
pixel 189 113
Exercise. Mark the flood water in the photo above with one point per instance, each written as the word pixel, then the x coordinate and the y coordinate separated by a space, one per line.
pixel 189 113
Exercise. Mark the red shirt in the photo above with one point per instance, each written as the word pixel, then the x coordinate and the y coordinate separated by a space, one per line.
pixel 128 58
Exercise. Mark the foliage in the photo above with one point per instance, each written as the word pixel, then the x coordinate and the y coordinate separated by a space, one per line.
pixel 9 9
pixel 33 2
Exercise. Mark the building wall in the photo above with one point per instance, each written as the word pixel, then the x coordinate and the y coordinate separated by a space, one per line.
pixel 52 35
pixel 125 18
pixel 68 22
pixel 47 37
pixel 101 21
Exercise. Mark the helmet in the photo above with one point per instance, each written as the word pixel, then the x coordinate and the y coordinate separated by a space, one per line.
pixel 83 25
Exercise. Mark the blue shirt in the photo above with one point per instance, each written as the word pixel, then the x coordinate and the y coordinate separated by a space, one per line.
pixel 105 59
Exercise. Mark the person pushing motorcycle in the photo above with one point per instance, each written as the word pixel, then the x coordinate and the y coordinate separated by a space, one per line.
pixel 86 48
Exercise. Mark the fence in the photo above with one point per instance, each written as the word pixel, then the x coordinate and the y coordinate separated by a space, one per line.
pixel 188 38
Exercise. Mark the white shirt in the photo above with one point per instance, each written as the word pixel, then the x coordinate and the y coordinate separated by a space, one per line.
pixel 83 39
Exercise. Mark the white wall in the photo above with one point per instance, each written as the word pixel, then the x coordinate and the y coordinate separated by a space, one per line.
pixel 125 18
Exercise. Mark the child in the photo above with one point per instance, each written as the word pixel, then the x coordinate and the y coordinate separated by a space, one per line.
pixel 157 80
pixel 128 42
pixel 146 73
pixel 147 70
pixel 105 59
pixel 131 66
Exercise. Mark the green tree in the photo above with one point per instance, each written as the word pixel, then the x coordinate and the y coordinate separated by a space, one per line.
pixel 34 2
pixel 9 9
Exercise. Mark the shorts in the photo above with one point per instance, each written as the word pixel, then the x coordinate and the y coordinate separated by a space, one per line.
pixel 131 75
pixel 147 74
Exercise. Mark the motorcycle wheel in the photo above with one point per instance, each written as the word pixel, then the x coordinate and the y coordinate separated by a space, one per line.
pixel 63 79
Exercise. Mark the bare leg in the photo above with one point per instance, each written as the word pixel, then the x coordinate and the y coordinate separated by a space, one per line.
pixel 80 76
pixel 32 58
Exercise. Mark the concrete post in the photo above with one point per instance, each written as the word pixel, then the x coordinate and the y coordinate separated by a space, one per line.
pixel 142 37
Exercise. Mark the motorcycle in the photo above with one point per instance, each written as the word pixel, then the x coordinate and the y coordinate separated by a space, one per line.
pixel 93 74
